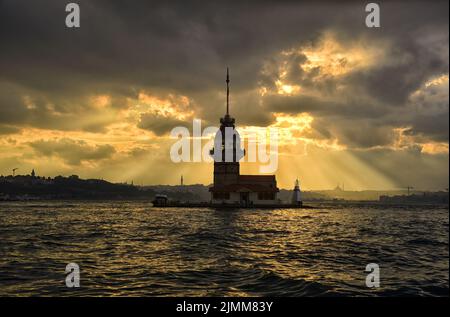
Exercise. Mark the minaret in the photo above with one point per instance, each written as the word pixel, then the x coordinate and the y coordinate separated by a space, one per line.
pixel 228 92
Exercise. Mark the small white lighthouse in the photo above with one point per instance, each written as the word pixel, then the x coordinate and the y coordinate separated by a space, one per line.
pixel 296 196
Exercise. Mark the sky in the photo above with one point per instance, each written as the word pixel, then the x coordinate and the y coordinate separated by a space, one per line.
pixel 367 107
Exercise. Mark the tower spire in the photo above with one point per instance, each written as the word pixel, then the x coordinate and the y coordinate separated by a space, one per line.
pixel 228 91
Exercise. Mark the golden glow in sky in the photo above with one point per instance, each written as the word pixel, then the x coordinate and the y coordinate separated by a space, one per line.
pixel 134 142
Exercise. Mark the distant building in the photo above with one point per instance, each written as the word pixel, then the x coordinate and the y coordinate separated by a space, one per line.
pixel 229 186
pixel 425 198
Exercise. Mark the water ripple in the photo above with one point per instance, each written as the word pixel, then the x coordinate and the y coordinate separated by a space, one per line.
pixel 131 249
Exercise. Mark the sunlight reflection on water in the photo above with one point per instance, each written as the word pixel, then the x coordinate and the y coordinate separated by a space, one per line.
pixel 132 249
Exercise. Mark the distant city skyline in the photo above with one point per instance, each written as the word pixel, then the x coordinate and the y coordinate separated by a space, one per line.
pixel 181 183
pixel 354 105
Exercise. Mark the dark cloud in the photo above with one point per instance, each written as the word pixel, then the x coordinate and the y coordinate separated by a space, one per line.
pixel 183 48
pixel 414 64
pixel 21 106
pixel 7 129
pixel 362 108
pixel 159 124
pixel 72 152
pixel 353 133
pixel 435 127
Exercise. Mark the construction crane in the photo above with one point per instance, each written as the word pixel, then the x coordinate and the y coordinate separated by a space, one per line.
pixel 14 170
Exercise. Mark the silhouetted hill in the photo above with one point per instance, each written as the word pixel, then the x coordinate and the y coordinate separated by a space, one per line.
pixel 26 187
pixel 30 187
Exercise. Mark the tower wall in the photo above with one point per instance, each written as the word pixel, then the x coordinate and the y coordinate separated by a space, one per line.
pixel 226 173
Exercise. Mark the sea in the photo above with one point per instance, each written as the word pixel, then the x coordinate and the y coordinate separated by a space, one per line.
pixel 125 248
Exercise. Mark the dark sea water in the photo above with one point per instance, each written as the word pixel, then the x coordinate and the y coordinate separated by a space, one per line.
pixel 132 249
